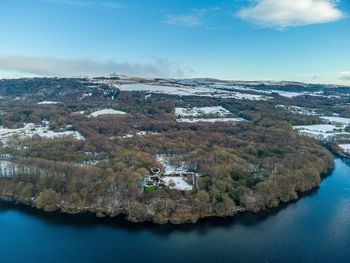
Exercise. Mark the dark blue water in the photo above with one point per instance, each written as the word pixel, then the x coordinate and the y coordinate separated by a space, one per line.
pixel 314 229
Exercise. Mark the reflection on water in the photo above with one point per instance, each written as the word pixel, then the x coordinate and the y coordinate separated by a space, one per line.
pixel 87 220
pixel 316 228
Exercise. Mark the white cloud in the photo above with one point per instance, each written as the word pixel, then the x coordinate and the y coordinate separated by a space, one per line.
pixel 49 66
pixel 291 13
pixel 86 3
pixel 345 75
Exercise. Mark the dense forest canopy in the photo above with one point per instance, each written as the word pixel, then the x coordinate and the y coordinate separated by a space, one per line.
pixel 92 144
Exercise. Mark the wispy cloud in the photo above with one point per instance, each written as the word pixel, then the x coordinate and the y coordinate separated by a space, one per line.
pixel 345 75
pixel 281 14
pixel 195 18
pixel 86 3
pixel 49 66
pixel 183 20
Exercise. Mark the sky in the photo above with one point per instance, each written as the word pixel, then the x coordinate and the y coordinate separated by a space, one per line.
pixel 295 40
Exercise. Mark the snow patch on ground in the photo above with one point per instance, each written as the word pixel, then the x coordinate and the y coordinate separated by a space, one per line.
pixel 86 95
pixel 192 115
pixel 288 94
pixel 144 133
pixel 218 111
pixel 106 112
pixel 174 175
pixel 30 130
pixel 178 183
pixel 169 167
pixel 246 96
pixel 48 102
pixel 139 133
pixel 210 120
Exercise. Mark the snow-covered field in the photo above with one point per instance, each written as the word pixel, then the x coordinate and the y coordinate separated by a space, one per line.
pixel 106 112
pixel 337 120
pixel 196 114
pixel 177 182
pixel 322 131
pixel 324 128
pixel 245 96
pixel 210 120
pixel 48 102
pixel 30 130
pixel 345 147
pixel 287 94
pixel 200 90
pixel 218 111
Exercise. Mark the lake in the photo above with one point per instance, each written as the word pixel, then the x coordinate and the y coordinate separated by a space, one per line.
pixel 314 229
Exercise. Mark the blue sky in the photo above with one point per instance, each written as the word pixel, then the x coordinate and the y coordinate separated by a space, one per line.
pixel 298 40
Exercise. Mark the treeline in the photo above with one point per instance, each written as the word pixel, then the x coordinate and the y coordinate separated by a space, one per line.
pixel 66 90
pixel 258 169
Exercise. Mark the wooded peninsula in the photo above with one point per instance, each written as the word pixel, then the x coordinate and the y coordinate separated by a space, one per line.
pixel 124 147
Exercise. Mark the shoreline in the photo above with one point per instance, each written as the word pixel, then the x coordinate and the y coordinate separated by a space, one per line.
pixel 122 218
